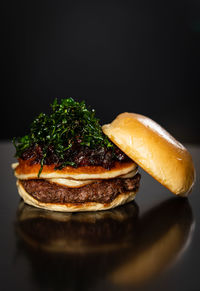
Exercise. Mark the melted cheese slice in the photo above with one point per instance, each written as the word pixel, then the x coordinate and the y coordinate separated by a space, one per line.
pixel 14 165
pixel 130 174
pixel 70 183
pixel 80 183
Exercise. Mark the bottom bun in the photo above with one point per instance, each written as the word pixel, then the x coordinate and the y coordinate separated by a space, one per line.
pixel 121 199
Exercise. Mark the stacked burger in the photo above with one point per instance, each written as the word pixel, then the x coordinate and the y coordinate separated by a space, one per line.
pixel 67 162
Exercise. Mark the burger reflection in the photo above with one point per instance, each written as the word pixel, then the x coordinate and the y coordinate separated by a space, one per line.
pixel 74 250
pixel 163 234
pixel 79 250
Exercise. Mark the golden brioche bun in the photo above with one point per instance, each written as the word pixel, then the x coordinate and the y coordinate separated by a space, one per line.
pixel 154 149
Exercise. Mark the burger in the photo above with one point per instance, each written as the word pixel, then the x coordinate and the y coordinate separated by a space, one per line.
pixel 68 162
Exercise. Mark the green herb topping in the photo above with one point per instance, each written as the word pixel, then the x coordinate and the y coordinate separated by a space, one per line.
pixel 68 123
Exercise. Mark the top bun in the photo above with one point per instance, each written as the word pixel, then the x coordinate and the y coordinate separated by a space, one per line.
pixel 154 149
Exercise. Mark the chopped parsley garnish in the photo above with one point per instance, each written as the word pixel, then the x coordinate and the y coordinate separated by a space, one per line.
pixel 69 122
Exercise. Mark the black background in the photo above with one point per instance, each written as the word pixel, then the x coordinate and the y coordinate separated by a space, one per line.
pixel 137 56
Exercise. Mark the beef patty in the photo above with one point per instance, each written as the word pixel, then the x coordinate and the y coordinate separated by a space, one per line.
pixel 102 191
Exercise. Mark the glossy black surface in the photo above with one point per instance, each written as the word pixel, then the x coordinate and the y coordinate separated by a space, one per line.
pixel 151 244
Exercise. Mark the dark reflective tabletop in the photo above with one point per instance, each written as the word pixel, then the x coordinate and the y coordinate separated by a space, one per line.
pixel 151 244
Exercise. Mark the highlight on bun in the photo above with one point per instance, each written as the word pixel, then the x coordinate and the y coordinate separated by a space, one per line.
pixel 154 149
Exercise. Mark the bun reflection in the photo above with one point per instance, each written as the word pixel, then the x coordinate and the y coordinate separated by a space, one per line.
pixel 163 234
pixel 79 250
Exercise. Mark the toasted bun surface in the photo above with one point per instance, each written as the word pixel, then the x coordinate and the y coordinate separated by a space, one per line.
pixel 154 149
pixel 25 170
pixel 74 207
